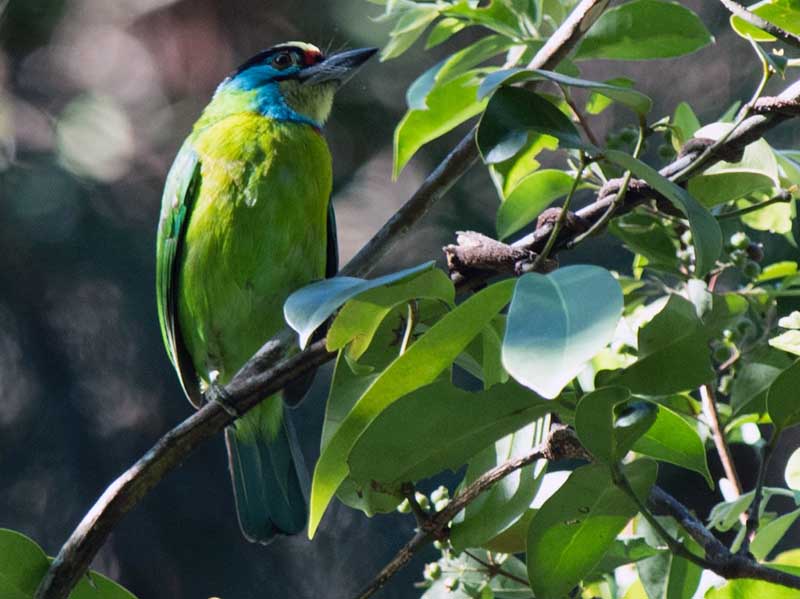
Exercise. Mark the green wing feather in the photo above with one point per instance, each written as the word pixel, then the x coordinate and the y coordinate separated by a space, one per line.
pixel 180 191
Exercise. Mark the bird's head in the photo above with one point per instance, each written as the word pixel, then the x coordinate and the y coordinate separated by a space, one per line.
pixel 295 81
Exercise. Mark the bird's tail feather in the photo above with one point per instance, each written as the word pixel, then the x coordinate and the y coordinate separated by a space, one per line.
pixel 270 480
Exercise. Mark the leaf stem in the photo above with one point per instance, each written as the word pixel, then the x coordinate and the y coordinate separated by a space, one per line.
pixel 754 511
pixel 619 197
pixel 709 403
pixel 783 196
pixel 562 216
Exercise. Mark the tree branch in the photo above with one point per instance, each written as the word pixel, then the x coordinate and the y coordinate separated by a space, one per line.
pixel 722 561
pixel 768 113
pixel 270 370
pixel 561 443
pixel 756 21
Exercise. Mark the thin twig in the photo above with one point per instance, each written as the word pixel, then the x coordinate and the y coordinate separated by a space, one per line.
pixel 782 197
pixel 709 403
pixel 562 216
pixel 579 116
pixel 754 511
pixel 675 546
pixel 495 570
pixel 440 521
pixel 722 561
pixel 756 21
pixel 619 198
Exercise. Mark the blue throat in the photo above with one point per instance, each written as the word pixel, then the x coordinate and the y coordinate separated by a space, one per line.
pixel 269 100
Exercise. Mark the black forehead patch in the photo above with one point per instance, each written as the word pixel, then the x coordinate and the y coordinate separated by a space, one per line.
pixel 265 55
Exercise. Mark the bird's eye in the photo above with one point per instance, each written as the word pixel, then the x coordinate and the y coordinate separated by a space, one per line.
pixel 282 61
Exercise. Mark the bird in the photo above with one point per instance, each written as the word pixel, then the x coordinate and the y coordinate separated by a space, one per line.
pixel 245 220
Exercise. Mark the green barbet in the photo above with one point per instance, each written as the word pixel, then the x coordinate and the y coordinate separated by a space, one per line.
pixel 246 220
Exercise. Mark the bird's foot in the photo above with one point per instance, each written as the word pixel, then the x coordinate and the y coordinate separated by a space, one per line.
pixel 219 395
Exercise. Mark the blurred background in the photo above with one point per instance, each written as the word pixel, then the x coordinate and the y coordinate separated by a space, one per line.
pixel 95 99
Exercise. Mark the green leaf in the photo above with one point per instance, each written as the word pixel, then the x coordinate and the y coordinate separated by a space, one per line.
pixel 23 564
pixel 672 439
pixel 409 27
pixel 439 427
pixel 673 354
pixel 769 535
pixel 443 31
pixel 605 430
pixel 726 181
pixel 532 195
pixel 783 13
pixel 646 235
pixel 501 506
pixel 509 174
pixel 726 514
pixel 306 309
pixel 457 64
pixel 666 576
pixel 705 229
pixel 777 270
pixel 754 376
pixel 557 322
pixel 511 115
pixel 620 553
pixel 420 365
pixel 359 318
pixel 597 102
pixel 449 105
pixel 631 98
pixel 686 123
pixel 642 30
pixel 572 531
pixel 782 404
pixel 497 16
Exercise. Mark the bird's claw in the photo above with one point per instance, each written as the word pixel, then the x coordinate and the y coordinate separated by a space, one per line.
pixel 216 393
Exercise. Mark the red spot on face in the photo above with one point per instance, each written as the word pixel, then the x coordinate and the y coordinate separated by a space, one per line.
pixel 312 57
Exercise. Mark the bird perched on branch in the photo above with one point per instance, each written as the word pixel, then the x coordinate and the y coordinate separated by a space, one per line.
pixel 246 220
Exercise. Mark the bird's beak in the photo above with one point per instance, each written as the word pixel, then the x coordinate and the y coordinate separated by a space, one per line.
pixel 337 68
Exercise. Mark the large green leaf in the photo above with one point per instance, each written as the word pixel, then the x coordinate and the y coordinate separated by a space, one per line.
pixel 647 235
pixel 449 105
pixel 770 534
pixel 673 354
pixel 644 29
pixel 458 63
pixel 782 398
pixel 424 360
pixel 672 439
pixel 360 317
pixel 754 376
pixel 409 27
pixel 705 229
pixel 532 195
pixel 666 576
pixel 497 16
pixel 783 13
pixel 501 506
pixel 306 309
pixel 557 322
pixel 620 553
pixel 511 115
pixel 572 531
pixel 23 564
pixel 439 427
pixel 606 431
pixel 624 95
pixel 727 181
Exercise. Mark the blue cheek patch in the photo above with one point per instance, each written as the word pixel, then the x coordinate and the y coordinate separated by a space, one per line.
pixel 269 100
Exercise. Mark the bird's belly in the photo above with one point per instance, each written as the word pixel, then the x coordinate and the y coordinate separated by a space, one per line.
pixel 242 257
